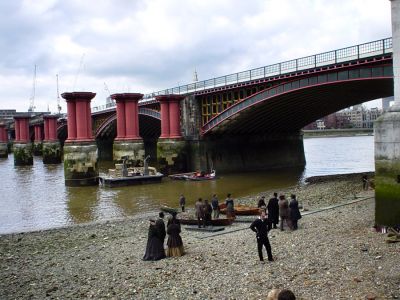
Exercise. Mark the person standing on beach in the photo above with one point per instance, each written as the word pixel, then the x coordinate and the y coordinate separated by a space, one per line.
pixel 283 211
pixel 294 211
pixel 174 242
pixel 261 203
pixel 155 243
pixel 261 227
pixel 161 227
pixel 365 182
pixel 199 211
pixel 207 211
pixel 273 210
pixel 215 206
pixel 230 207
pixel 182 202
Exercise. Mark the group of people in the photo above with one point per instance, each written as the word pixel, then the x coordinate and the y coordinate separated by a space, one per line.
pixel 156 237
pixel 206 211
pixel 280 208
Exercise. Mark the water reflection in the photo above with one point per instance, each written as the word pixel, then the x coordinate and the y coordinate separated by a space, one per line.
pixel 35 197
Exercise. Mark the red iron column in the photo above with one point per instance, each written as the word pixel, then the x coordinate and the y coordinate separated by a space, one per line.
pixel 3 133
pixel 3 141
pixel 79 116
pixel 22 129
pixel 175 117
pixel 164 106
pixel 50 128
pixel 121 132
pixel 38 133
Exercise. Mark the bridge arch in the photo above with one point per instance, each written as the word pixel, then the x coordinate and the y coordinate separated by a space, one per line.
pixel 149 125
pixel 291 105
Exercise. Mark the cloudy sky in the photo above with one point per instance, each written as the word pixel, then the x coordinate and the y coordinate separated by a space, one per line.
pixel 150 45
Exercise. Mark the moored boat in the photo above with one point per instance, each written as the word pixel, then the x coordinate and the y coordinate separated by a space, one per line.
pixel 123 176
pixel 200 176
pixel 214 222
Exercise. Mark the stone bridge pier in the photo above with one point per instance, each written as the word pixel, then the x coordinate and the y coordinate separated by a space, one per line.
pixel 128 143
pixel 22 144
pixel 51 149
pixel 80 149
pixel 387 142
pixel 172 150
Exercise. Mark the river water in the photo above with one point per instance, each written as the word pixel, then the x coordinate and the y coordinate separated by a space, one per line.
pixel 35 197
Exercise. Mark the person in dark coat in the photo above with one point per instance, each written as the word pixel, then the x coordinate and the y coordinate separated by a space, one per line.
pixel 261 203
pixel 230 207
pixel 261 227
pixel 294 212
pixel 207 211
pixel 155 244
pixel 161 226
pixel 273 210
pixel 182 202
pixel 174 242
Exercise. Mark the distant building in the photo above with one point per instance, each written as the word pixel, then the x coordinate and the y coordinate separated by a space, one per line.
pixel 355 117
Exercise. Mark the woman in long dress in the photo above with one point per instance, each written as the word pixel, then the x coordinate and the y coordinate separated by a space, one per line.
pixel 155 245
pixel 174 242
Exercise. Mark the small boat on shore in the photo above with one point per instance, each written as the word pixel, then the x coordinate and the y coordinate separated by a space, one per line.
pixel 241 210
pixel 124 176
pixel 214 222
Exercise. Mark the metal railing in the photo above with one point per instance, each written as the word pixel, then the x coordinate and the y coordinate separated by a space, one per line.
pixel 365 50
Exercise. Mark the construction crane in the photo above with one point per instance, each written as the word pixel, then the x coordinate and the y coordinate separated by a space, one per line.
pixel 58 97
pixel 79 71
pixel 32 98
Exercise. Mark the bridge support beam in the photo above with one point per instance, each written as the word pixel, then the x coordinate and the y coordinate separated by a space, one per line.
pixel 3 141
pixel 128 143
pixel 248 153
pixel 22 146
pixel 38 142
pixel 387 142
pixel 172 150
pixel 80 150
pixel 51 145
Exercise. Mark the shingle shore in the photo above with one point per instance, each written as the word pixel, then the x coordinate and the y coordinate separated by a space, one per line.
pixel 335 254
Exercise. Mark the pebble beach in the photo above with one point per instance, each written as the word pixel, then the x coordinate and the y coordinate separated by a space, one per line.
pixel 335 254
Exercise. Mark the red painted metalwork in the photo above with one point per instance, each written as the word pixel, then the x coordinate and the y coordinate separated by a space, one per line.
pixel 3 133
pixel 79 116
pixel 50 128
pixel 38 133
pixel 22 129
pixel 127 115
pixel 170 115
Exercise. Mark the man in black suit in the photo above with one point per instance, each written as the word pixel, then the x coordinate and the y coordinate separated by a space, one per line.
pixel 261 226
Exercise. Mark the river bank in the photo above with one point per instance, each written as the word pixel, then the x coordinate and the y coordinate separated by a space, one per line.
pixel 335 254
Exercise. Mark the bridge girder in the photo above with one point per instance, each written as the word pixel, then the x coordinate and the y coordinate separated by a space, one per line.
pixel 291 111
